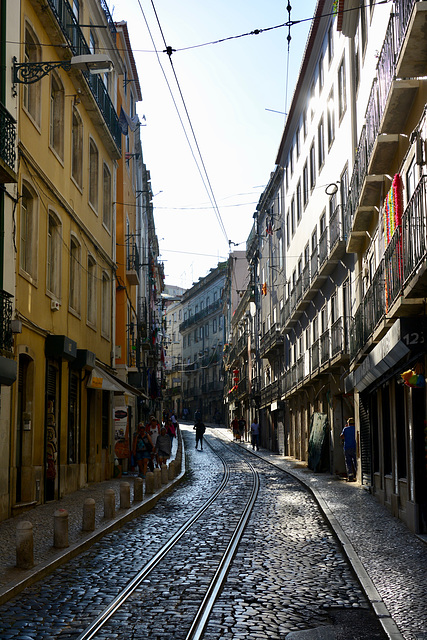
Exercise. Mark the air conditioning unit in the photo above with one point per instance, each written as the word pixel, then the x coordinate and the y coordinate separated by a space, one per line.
pixel 54 305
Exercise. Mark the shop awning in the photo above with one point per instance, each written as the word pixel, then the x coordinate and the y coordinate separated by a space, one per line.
pixel 405 336
pixel 100 379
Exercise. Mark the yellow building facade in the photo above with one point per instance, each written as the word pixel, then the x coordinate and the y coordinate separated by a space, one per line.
pixel 69 145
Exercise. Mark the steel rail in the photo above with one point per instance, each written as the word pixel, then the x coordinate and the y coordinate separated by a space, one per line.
pixel 133 584
pixel 201 618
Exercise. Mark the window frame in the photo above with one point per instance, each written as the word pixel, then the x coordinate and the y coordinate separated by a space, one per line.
pixel 29 265
pixel 93 189
pixel 74 295
pixel 56 115
pixel 53 255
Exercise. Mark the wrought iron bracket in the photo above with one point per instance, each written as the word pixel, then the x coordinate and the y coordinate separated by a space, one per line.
pixel 30 72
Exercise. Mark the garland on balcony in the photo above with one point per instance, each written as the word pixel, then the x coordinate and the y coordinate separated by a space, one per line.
pixel 392 210
pixel 392 213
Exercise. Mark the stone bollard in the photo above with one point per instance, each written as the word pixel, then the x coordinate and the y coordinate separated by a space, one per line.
pixel 149 483
pixel 138 489
pixel 24 545
pixel 157 479
pixel 60 529
pixel 171 470
pixel 109 504
pixel 88 515
pixel 124 495
pixel 165 478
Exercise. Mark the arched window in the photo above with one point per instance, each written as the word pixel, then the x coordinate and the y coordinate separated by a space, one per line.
pixel 31 92
pixel 75 274
pixel 28 232
pixel 53 264
pixel 91 291
pixel 106 306
pixel 93 174
pixel 56 139
pixel 106 201
pixel 77 148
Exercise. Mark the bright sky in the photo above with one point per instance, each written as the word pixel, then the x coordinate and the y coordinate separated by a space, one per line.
pixel 232 91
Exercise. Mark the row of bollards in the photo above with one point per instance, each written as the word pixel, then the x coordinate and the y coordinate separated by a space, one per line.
pixel 153 482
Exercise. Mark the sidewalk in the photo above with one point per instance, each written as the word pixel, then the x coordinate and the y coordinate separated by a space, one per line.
pixel 46 557
pixel 389 561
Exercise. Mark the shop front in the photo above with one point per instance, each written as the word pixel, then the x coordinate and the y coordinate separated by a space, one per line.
pixel 390 398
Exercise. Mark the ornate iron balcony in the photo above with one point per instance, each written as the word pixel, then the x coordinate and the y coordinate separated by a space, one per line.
pixel 7 141
pixel 72 32
pixel 6 336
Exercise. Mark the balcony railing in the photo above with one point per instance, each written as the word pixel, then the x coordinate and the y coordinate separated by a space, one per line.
pixel 109 17
pixel 72 32
pixel 306 277
pixel 314 262
pixel 300 369
pixel 315 354
pixel 242 343
pixel 335 227
pixel 337 337
pixel 293 298
pixel 200 315
pixel 7 138
pixel 271 340
pixel 298 289
pixel 323 246
pixel 252 242
pixel 242 386
pixel 132 259
pixel 324 347
pixel 404 254
pixel 386 68
pixel 6 336
pixel 414 231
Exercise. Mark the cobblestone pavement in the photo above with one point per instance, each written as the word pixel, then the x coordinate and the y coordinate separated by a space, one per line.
pixel 289 573
pixel 285 578
pixel 394 558
pixel 42 519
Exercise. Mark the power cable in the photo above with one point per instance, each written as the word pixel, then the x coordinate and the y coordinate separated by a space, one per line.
pixel 203 175
pixel 210 192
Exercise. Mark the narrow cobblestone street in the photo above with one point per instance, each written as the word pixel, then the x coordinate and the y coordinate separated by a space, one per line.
pixel 287 576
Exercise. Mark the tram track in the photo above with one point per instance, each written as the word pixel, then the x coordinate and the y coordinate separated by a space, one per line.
pixel 201 617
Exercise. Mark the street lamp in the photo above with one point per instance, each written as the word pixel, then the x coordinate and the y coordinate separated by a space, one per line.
pixel 30 72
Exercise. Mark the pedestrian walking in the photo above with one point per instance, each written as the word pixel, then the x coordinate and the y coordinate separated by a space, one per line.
pixel 235 428
pixel 348 436
pixel 200 430
pixel 152 428
pixel 163 447
pixel 255 435
pixel 170 430
pixel 197 415
pixel 141 449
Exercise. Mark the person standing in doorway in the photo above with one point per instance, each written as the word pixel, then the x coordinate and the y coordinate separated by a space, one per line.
pixel 348 436
pixel 255 434
pixel 200 430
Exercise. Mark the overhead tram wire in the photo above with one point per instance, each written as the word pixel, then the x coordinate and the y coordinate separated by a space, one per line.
pixel 204 177
pixel 210 192
pixel 254 32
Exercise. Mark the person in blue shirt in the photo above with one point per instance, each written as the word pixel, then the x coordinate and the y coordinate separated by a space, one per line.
pixel 348 436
